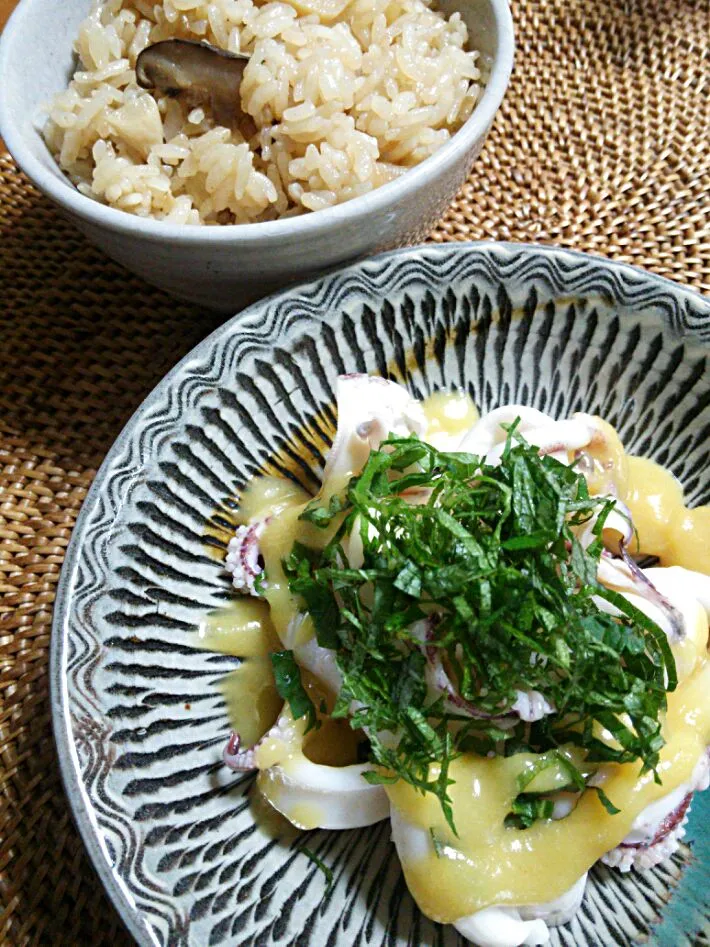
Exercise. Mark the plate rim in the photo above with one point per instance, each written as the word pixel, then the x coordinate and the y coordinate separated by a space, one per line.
pixel 80 806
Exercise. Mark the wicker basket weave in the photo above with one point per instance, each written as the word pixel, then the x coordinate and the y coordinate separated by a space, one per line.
pixel 602 144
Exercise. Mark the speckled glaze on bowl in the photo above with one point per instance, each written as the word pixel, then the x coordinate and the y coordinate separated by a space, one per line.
pixel 226 267
pixel 139 721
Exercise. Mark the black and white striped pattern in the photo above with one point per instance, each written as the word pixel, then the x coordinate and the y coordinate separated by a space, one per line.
pixel 139 719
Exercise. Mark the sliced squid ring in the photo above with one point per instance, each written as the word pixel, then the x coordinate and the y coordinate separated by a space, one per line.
pixel 312 795
pixel 499 926
pixel 369 408
pixel 487 437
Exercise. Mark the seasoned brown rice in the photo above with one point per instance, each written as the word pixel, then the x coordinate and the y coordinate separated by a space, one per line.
pixel 344 94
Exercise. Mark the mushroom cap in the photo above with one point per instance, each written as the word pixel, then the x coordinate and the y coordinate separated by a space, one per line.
pixel 177 66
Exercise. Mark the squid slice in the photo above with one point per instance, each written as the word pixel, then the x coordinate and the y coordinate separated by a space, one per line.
pixel 642 857
pixel 496 926
pixel 626 576
pixel 311 656
pixel 556 438
pixel 603 459
pixel 617 531
pixel 656 832
pixel 531 706
pixel 487 437
pixel 369 409
pixel 487 431
pixel 676 605
pixel 244 558
pixel 500 926
pixel 321 663
pixel 312 795
pixel 696 584
pixel 241 760
pixel 528 706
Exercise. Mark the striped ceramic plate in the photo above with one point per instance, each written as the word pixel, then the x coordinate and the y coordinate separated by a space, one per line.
pixel 140 721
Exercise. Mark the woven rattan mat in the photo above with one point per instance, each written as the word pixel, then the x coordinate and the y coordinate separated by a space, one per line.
pixel 602 144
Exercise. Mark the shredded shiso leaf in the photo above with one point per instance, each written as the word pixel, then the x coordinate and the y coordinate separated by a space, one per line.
pixel 490 560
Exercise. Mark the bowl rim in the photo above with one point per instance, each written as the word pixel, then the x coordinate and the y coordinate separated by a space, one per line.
pixel 60 189
pixel 80 805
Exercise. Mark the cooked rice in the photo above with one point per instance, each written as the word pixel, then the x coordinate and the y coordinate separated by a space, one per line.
pixel 344 95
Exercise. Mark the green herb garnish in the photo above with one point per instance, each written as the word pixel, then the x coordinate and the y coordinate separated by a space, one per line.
pixel 528 808
pixel 287 676
pixel 437 843
pixel 260 583
pixel 320 865
pixel 489 563
pixel 606 801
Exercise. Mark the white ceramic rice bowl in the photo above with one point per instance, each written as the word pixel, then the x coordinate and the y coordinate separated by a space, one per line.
pixel 226 267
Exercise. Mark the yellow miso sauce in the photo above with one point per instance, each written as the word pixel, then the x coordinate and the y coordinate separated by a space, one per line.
pixel 279 757
pixel 335 743
pixel 266 497
pixel 270 821
pixel 488 863
pixel 250 629
pixel 449 412
pixel 665 527
pixel 244 629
